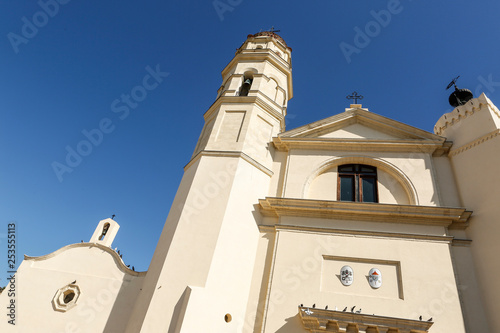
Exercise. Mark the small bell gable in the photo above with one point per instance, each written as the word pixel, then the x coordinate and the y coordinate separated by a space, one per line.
pixel 105 232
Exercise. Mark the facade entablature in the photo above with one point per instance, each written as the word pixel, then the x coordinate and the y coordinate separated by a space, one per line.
pixel 452 218
pixel 434 147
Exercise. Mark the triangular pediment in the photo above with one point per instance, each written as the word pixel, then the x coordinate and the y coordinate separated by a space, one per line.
pixel 359 124
pixel 356 131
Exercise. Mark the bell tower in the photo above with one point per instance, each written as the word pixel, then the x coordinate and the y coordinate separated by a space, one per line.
pixel 200 276
pixel 252 101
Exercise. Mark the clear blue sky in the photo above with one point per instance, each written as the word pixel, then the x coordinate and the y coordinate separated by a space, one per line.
pixel 62 78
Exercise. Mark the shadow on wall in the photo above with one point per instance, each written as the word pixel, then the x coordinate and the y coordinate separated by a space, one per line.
pixel 180 308
pixel 293 325
pixel 123 305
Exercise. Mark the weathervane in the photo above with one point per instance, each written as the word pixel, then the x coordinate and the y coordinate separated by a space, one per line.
pixel 453 83
pixel 354 96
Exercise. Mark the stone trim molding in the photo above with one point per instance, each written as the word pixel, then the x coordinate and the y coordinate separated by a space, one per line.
pixel 319 320
pixel 60 304
pixel 417 146
pixel 236 154
pixel 474 143
pixel 453 218
pixel 256 100
pixel 119 262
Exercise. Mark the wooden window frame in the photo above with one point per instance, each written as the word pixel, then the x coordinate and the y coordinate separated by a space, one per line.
pixel 358 175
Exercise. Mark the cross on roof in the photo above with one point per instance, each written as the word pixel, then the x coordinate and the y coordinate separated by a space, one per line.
pixel 354 96
pixel 273 31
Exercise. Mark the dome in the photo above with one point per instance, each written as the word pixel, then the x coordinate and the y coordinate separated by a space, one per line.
pixel 270 34
pixel 460 97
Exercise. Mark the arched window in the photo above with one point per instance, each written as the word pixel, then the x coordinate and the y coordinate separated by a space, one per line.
pixel 357 182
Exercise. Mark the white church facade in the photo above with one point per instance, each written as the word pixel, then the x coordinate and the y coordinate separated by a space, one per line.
pixel 353 223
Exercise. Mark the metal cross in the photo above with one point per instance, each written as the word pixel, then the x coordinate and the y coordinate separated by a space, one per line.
pixel 273 31
pixel 354 96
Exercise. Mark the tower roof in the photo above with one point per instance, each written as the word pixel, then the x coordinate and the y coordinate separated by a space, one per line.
pixel 270 34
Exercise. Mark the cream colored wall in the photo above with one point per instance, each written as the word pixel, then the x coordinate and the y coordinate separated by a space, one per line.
pixel 108 292
pixel 212 251
pixel 279 169
pixel 372 226
pixel 230 277
pixel 324 186
pixel 475 156
pixel 445 178
pixel 260 282
pixel 301 275
pixel 358 131
pixel 241 128
pixel 473 305
pixel 480 192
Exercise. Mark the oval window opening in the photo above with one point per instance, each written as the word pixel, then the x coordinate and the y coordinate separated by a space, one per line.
pixel 69 297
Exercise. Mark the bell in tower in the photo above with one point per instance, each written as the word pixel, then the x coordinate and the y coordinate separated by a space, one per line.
pixel 245 87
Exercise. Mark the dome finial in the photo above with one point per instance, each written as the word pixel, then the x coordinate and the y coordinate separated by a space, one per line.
pixel 459 96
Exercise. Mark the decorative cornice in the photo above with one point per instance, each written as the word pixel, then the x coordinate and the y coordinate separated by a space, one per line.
pixel 264 55
pixel 236 154
pixel 257 100
pixel 271 57
pixel 319 320
pixel 454 218
pixel 474 143
pixel 464 111
pixel 119 262
pixel 419 146
pixel 270 34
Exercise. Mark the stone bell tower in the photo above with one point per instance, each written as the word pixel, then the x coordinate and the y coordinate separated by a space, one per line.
pixel 474 128
pixel 200 275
